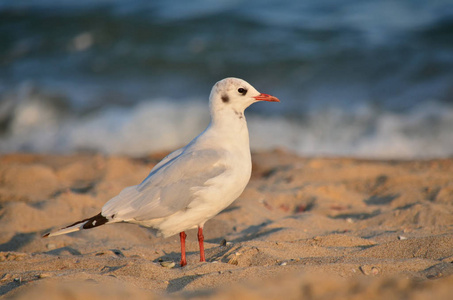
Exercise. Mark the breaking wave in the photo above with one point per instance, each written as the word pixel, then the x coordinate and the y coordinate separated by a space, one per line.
pixel 163 124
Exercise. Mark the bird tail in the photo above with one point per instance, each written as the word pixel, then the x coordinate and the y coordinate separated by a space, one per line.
pixel 92 222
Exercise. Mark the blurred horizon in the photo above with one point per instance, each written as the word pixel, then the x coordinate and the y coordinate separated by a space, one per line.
pixel 360 78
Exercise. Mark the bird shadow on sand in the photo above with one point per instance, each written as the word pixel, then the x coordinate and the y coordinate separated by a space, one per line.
pixel 255 231
pixel 255 235
pixel 172 256
pixel 218 253
pixel 18 241
pixel 177 284
pixel 64 250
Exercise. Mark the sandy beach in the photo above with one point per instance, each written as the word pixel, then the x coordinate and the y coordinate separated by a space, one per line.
pixel 304 228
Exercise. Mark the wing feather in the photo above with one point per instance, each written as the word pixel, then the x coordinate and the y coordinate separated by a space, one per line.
pixel 169 187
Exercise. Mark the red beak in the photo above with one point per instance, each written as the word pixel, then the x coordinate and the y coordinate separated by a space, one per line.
pixel 266 97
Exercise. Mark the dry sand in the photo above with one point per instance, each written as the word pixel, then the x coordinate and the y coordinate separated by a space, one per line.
pixel 305 228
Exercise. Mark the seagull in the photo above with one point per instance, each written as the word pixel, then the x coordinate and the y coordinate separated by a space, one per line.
pixel 192 184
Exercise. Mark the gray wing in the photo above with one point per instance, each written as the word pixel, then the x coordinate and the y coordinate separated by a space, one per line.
pixel 168 188
pixel 165 161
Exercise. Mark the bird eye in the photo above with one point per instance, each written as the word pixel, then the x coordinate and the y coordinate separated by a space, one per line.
pixel 242 91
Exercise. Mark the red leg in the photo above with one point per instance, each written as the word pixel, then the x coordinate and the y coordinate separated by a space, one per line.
pixel 201 243
pixel 182 236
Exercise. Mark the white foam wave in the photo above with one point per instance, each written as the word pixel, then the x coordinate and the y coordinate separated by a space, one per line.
pixel 425 131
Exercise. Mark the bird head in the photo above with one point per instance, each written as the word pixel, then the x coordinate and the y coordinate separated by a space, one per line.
pixel 236 94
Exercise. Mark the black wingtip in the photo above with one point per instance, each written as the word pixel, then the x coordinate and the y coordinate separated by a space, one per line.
pixel 46 235
pixel 95 221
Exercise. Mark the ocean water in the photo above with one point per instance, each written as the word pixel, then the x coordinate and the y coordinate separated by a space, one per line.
pixel 355 78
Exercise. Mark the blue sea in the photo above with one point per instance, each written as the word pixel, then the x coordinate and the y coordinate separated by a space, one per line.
pixel 357 78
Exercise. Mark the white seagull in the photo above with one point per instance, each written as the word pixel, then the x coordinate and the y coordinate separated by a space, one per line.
pixel 192 184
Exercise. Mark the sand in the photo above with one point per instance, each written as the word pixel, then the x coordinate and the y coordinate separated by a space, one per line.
pixel 304 228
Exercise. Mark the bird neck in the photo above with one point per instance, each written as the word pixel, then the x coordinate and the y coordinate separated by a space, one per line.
pixel 229 118
pixel 230 123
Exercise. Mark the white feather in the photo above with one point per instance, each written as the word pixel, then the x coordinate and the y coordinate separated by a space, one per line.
pixel 75 227
pixel 196 182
